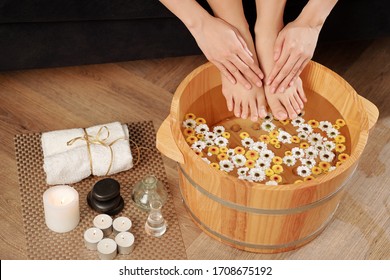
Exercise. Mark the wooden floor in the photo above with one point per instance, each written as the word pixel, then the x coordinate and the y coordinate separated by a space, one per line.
pixel 49 99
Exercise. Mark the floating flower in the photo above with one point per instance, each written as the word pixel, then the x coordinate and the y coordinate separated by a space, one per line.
pixel 221 141
pixel 222 156
pixel 343 157
pixel 191 139
pixel 336 126
pixel 189 123
pixel 239 150
pixel 202 128
pixel 308 162
pixel 252 155
pixel 289 160
pixel 298 181
pixel 339 163
pixel 314 138
pixel 324 165
pixel 316 170
pixel 327 156
pixel 250 163
pixel 238 160
pixel 223 149
pixel 214 165
pixel 303 171
pixel 209 142
pixel 271 183
pixel 267 155
pixel 319 147
pixel 264 138
pixel 198 145
pixel 304 145
pixel 226 165
pixel 297 152
pixel 285 122
pixel 256 174
pixel 267 126
pixel 340 148
pixel 305 128
pixel 311 152
pixel 295 139
pixel 226 134
pixel 219 129
pixel 340 122
pixel 200 121
pixel 277 145
pixel 258 146
pixel 273 141
pixel 308 178
pixel 247 142
pixel 273 134
pixel 206 160
pixel 277 168
pixel 284 137
pixel 288 153
pixel 200 136
pixel 244 135
pixel 242 171
pixel 190 116
pixel 188 131
pixel 332 132
pixel 230 152
pixel 269 117
pixel 329 145
pixel 209 136
pixel 199 153
pixel 263 163
pixel 277 160
pixel 302 136
pixel 213 150
pixel 269 172
pixel 313 123
pixel 331 168
pixel 339 139
pixel 276 178
pixel 325 125
pixel 297 121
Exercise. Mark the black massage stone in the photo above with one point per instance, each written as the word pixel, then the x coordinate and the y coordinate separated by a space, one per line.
pixel 106 189
pixel 104 206
pixel 118 209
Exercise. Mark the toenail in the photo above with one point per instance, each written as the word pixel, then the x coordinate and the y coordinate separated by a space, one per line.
pixel 282 115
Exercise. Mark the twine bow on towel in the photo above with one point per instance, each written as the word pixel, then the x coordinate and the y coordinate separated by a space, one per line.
pixel 97 140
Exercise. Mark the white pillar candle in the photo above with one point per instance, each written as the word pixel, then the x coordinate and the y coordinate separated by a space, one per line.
pixel 107 249
pixel 125 241
pixel 92 236
pixel 61 207
pixel 104 222
pixel 121 224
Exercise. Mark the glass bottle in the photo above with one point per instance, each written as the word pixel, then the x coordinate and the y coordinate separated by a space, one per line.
pixel 147 190
pixel 155 224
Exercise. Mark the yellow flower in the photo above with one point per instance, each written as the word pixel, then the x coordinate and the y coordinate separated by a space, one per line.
pixel 277 168
pixel 277 160
pixel 284 122
pixel 199 153
pixel 336 126
pixel 250 163
pixel 200 121
pixel 277 145
pixel 316 170
pixel 339 163
pixel 287 153
pixel 269 172
pixel 200 136
pixel 215 165
pixel 276 178
pixel 213 150
pixel 295 139
pixel 188 131
pixel 339 139
pixel 244 135
pixel 226 135
pixel 340 148
pixel 274 141
pixel 324 165
pixel 298 181
pixel 239 150
pixel 273 134
pixel 223 150
pixel 308 178
pixel 222 156
pixel 264 138
pixel 313 123
pixel 252 155
pixel 304 145
pixel 191 139
pixel 340 122
pixel 343 157
pixel 190 116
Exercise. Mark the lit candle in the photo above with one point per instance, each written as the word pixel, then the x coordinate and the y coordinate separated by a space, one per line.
pixel 92 236
pixel 125 241
pixel 104 222
pixel 121 224
pixel 107 249
pixel 61 206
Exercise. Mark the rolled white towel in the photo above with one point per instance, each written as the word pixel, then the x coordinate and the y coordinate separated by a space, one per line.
pixel 55 142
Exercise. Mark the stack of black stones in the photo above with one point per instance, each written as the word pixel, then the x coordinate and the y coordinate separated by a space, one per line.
pixel 105 197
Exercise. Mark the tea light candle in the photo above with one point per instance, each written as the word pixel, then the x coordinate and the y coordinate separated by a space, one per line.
pixel 107 249
pixel 125 241
pixel 61 207
pixel 92 236
pixel 121 224
pixel 104 222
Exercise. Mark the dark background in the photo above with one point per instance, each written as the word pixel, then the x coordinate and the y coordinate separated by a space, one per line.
pixel 51 33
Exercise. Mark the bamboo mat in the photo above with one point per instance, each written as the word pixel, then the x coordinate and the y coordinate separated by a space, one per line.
pixel 43 243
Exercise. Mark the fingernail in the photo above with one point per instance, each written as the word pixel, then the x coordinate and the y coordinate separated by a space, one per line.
pixel 282 89
pixel 248 86
pixel 273 90
pixel 268 82
pixel 259 84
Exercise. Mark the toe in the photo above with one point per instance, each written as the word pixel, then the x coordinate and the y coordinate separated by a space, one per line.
pixel 277 107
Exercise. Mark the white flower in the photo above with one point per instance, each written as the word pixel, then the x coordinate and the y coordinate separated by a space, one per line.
pixel 325 125
pixel 206 160
pixel 263 163
pixel 305 128
pixel 209 154
pixel 297 152
pixel 327 156
pixel 284 137
pixel 303 171
pixel 314 138
pixel 198 146
pixel 219 129
pixel 209 142
pixel 289 160
pixel 329 145
pixel 221 141
pixel 226 165
pixel 209 136
pixel 247 142
pixel 267 155
pixel 189 123
pixel 269 117
pixel 267 126
pixel 319 147
pixel 258 146
pixel 230 152
pixel 311 152
pixel 239 160
pixel 302 135
pixel 308 162
pixel 332 132
pixel 202 128
pixel 257 174
pixel 242 171
pixel 331 168
pixel 271 183
pixel 297 121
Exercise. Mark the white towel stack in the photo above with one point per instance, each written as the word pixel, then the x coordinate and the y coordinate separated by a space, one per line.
pixel 67 164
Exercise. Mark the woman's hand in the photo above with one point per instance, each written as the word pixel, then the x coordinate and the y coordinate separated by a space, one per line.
pixel 294 47
pixel 223 45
